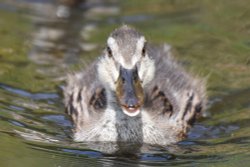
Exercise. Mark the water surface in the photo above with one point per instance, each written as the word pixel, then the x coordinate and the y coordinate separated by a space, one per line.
pixel 43 40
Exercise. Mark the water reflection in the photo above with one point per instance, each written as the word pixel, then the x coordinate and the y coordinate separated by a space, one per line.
pixel 62 30
pixel 107 159
pixel 57 37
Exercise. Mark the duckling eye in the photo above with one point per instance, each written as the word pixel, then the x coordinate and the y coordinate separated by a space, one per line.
pixel 109 52
pixel 144 50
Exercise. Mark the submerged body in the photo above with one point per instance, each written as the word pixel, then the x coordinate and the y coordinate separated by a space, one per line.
pixel 133 93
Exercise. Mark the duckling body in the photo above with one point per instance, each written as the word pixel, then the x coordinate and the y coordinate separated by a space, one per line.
pixel 134 93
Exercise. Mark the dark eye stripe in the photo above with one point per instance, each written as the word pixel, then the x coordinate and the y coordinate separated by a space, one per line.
pixel 144 49
pixel 109 51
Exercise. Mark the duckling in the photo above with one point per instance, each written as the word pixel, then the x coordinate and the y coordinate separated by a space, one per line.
pixel 134 92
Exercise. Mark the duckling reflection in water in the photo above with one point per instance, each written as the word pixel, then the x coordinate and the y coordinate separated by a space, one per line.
pixel 133 93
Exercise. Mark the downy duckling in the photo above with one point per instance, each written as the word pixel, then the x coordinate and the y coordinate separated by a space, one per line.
pixel 133 92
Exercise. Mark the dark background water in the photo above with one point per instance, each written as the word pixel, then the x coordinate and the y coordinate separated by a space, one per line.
pixel 42 40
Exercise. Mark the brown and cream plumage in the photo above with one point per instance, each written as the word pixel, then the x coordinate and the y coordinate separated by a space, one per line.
pixel 133 92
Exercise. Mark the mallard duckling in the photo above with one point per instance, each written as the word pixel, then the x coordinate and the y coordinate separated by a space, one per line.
pixel 133 92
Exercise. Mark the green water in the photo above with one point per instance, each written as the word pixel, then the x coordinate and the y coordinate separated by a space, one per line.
pixel 37 49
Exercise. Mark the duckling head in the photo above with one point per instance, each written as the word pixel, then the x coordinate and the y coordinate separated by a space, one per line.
pixel 125 69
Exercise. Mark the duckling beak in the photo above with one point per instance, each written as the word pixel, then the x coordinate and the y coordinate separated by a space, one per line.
pixel 129 91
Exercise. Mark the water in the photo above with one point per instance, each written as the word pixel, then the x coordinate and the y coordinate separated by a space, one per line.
pixel 43 40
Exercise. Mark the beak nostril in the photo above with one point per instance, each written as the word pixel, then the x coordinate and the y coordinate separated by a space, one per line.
pixel 123 80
